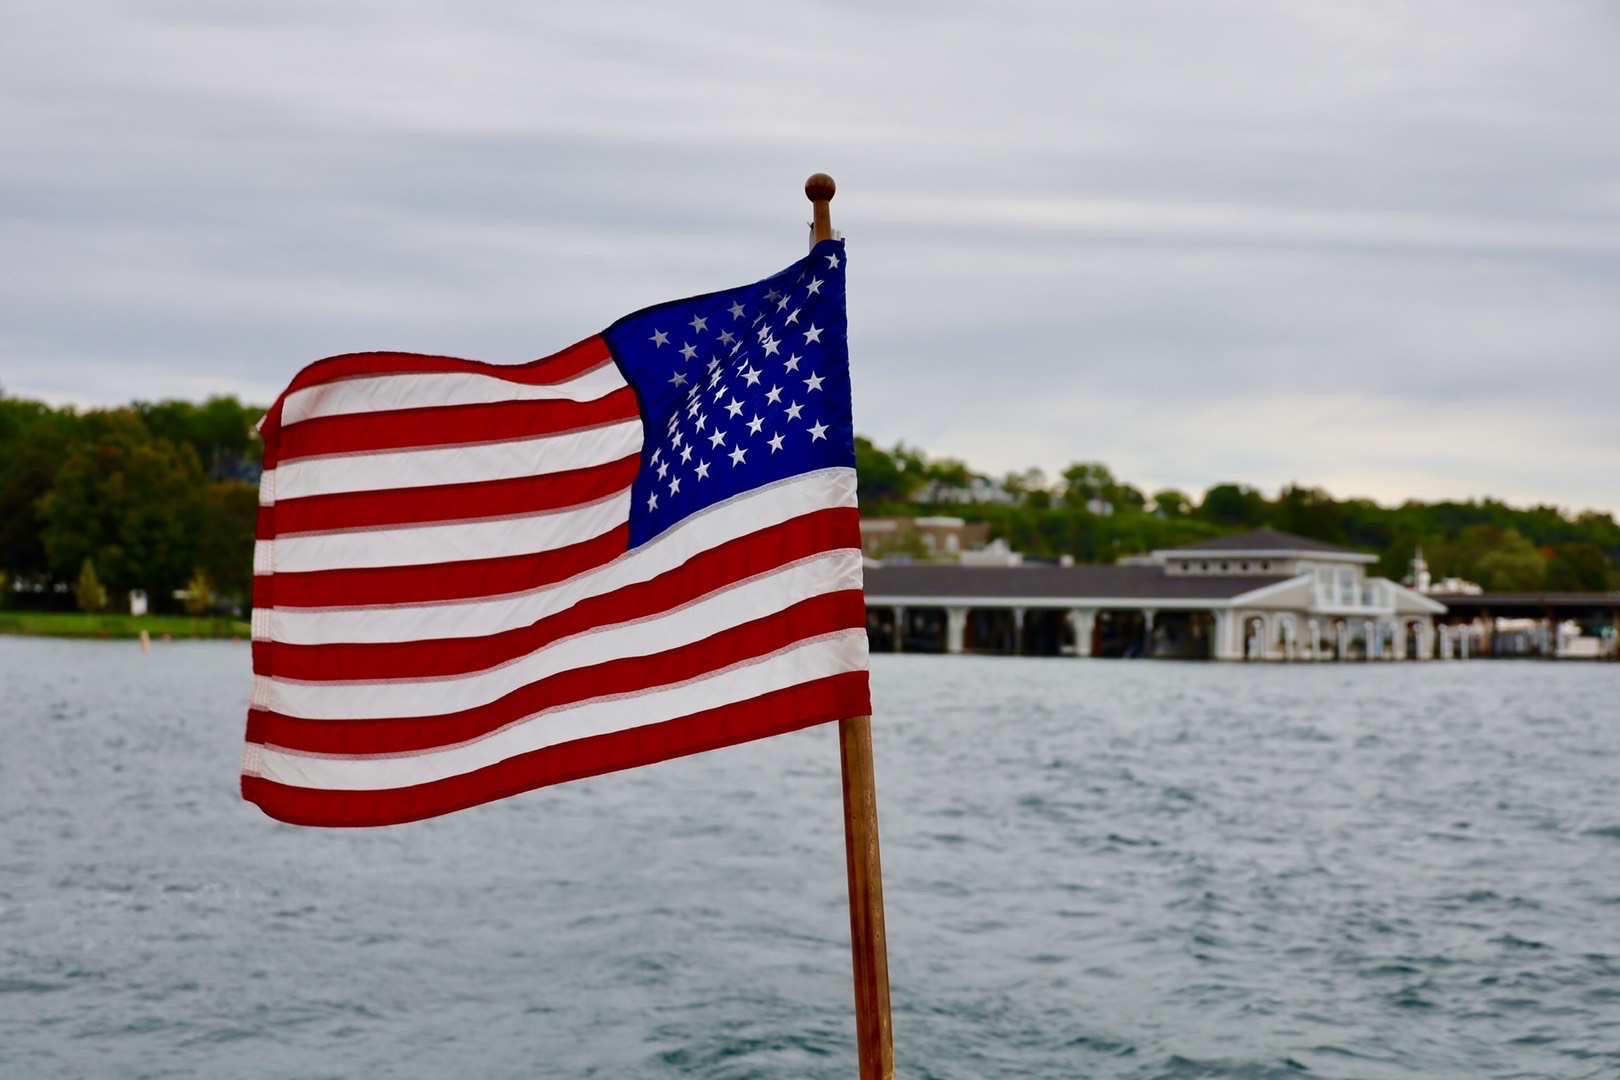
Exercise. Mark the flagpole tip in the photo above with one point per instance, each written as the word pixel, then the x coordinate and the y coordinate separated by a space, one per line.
pixel 820 188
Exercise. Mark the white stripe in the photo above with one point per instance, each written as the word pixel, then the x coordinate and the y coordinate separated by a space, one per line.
pixel 753 510
pixel 452 542
pixel 702 618
pixel 816 658
pixel 428 465
pixel 415 390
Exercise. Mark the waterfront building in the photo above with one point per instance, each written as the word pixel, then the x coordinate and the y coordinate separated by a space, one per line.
pixel 1260 595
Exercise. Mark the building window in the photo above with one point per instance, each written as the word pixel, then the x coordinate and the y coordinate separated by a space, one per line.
pixel 1204 566
pixel 1245 565
pixel 1265 566
pixel 1226 566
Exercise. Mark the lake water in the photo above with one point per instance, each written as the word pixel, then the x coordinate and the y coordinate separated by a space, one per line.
pixel 1093 869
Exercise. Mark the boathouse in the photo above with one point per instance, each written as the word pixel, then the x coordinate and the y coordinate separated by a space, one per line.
pixel 1261 595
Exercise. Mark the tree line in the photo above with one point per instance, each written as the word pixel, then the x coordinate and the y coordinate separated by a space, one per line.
pixel 1089 514
pixel 158 496
pixel 163 497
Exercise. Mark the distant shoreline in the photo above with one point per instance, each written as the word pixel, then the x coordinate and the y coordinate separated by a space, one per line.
pixel 78 624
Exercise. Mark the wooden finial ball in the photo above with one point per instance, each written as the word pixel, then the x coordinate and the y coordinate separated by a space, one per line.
pixel 820 188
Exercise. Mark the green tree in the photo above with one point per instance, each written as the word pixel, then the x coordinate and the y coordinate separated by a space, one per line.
pixel 1580 567
pixel 1233 505
pixel 90 593
pixel 1170 502
pixel 129 502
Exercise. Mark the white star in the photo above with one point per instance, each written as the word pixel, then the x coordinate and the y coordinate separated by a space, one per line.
pixel 702 469
pixel 818 431
pixel 813 382
pixel 774 395
pixel 663 469
pixel 794 410
pixel 687 352
pixel 720 393
pixel 738 456
pixel 751 375
pixel 793 362
pixel 693 404
pixel 736 310
pixel 659 339
pixel 772 295
pixel 701 420
pixel 717 438
pixel 686 453
pixel 714 362
pixel 652 501
pixel 656 454
pixel 676 439
pixel 793 317
pixel 776 443
pixel 771 345
pixel 782 303
pixel 754 425
pixel 812 334
pixel 814 287
pixel 727 337
pixel 715 376
pixel 674 485
pixel 734 407
pixel 698 324
pixel 832 260
pixel 677 379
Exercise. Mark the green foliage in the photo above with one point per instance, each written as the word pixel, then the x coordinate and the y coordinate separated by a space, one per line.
pixel 1489 542
pixel 146 493
pixel 90 594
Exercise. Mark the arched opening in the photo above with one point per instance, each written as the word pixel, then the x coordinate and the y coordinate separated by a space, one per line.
pixel 1184 635
pixel 991 630
pixel 1286 636
pixel 923 630
pixel 1119 633
pixel 1046 631
pixel 1254 637
pixel 880 624
pixel 1413 629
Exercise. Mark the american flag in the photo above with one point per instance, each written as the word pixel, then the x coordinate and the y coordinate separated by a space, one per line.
pixel 473 579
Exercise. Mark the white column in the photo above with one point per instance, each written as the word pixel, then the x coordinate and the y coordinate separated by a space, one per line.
pixel 1085 622
pixel 1316 640
pixel 1464 633
pixel 899 629
pixel 955 628
pixel 1399 644
pixel 1147 632
pixel 1018 631
pixel 1343 629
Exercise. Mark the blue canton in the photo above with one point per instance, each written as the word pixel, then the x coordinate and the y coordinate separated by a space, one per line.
pixel 738 389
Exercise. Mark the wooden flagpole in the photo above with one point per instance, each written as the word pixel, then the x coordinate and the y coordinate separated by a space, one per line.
pixel 874 1038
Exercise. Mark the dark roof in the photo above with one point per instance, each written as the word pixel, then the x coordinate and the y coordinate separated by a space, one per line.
pixel 1263 540
pixel 1503 601
pixel 945 580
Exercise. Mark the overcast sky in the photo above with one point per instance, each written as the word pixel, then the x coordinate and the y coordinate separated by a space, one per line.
pixel 1368 246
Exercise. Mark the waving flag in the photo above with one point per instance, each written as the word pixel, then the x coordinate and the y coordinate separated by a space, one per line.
pixel 473 579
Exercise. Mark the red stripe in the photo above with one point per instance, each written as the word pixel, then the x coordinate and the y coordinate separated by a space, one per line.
pixel 445 425
pixel 438 581
pixel 836 697
pixel 558 367
pixel 438 503
pixel 715 568
pixel 811 617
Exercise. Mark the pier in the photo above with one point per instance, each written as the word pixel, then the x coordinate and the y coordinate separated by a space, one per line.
pixel 1259 596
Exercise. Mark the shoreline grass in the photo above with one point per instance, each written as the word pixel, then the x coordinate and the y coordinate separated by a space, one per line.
pixel 113 625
